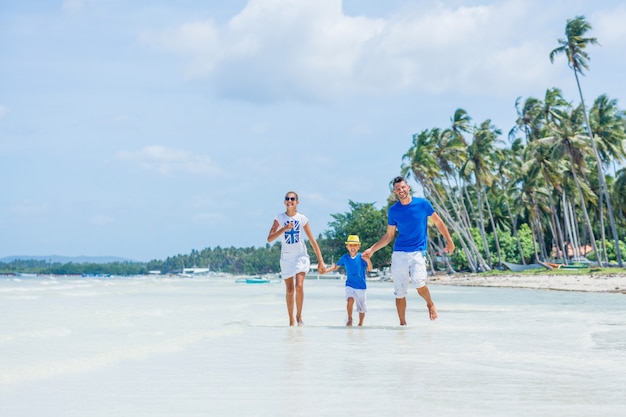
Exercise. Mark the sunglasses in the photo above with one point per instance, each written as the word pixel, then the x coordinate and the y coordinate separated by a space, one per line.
pixel 290 199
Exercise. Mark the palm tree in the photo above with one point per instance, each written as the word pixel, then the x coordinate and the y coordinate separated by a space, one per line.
pixel 608 125
pixel 566 140
pixel 527 118
pixel 619 192
pixel 430 161
pixel 531 190
pixel 479 165
pixel 577 58
pixel 508 174
pixel 538 155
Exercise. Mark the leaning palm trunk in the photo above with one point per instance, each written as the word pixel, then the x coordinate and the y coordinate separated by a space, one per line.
pixel 481 223
pixel 474 257
pixel 557 233
pixel 515 234
pixel 458 203
pixel 533 231
pixel 439 247
pixel 495 231
pixel 432 258
pixel 572 228
pixel 439 205
pixel 603 187
pixel 558 237
pixel 469 202
pixel 602 234
pixel 539 230
pixel 583 206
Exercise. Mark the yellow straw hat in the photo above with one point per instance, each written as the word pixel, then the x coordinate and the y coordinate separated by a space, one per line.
pixel 353 239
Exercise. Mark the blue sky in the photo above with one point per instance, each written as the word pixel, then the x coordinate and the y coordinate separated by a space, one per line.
pixel 146 129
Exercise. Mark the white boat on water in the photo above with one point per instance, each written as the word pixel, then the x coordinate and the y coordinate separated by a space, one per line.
pixel 314 274
pixel 194 272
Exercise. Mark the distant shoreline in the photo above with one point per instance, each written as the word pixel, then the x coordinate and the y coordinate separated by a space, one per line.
pixel 613 282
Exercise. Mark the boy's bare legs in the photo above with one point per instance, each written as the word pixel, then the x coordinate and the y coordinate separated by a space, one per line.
pixel 299 297
pixel 401 307
pixel 425 294
pixel 361 318
pixel 349 307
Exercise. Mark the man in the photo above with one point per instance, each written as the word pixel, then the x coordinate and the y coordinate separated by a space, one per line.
pixel 409 217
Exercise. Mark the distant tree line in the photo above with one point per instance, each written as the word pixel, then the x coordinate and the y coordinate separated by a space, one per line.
pixel 363 219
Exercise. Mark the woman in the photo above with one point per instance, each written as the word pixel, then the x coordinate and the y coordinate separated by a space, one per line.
pixel 294 258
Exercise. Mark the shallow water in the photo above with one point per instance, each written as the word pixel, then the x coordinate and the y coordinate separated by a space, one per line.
pixel 150 346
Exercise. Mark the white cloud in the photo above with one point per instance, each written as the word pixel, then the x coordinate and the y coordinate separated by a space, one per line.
pixel 30 208
pixel 608 26
pixel 72 6
pixel 310 49
pixel 259 128
pixel 102 220
pixel 168 161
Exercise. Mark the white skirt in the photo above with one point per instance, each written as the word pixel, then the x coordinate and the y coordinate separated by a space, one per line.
pixel 289 267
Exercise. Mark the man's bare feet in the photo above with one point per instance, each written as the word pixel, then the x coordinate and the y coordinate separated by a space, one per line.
pixel 349 323
pixel 300 322
pixel 432 311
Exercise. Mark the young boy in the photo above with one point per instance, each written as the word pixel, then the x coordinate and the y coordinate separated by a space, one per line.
pixel 356 268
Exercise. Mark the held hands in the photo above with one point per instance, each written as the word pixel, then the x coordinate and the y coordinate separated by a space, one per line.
pixel 367 254
pixel 321 268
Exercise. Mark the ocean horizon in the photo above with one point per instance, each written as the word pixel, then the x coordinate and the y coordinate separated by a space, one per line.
pixel 212 346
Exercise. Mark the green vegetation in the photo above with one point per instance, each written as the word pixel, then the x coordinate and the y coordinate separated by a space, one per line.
pixel 543 195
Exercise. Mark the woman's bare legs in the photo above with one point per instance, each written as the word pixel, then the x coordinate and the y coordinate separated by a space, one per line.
pixel 289 297
pixel 299 297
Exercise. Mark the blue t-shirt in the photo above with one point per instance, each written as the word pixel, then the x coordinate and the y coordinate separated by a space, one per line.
pixel 356 268
pixel 411 221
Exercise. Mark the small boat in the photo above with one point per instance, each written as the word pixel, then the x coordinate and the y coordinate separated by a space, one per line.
pixel 315 274
pixel 571 266
pixel 520 268
pixel 574 266
pixel 253 280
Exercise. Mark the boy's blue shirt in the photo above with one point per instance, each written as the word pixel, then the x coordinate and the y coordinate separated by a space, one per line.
pixel 356 270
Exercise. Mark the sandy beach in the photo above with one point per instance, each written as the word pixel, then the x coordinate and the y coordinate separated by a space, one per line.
pixel 593 282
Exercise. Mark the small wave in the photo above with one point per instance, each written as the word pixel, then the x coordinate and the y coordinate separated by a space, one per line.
pixel 48 369
pixel 36 334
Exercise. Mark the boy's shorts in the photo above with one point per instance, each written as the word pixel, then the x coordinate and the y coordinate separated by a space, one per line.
pixel 405 267
pixel 359 298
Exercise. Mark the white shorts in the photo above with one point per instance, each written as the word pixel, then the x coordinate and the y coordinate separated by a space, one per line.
pixel 359 298
pixel 289 267
pixel 405 267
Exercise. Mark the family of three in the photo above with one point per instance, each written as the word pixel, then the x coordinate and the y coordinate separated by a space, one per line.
pixel 407 222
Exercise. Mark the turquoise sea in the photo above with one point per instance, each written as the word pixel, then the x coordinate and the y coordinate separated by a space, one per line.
pixel 157 346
